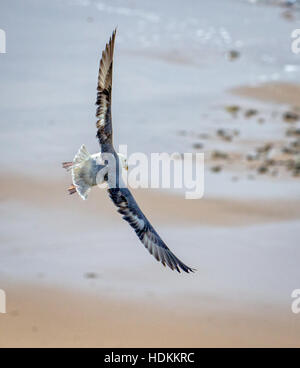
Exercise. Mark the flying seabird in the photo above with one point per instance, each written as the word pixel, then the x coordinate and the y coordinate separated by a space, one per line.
pixel 89 170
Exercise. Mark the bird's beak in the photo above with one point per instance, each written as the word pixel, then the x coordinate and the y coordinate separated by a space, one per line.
pixel 126 167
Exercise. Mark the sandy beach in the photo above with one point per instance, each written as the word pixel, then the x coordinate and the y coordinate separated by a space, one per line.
pixel 189 79
pixel 46 317
pixel 276 93
pixel 56 297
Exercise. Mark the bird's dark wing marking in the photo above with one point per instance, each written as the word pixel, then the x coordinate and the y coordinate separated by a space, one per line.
pixel 131 212
pixel 103 113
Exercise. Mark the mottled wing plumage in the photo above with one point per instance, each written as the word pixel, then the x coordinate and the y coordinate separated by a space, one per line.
pixel 103 114
pixel 131 212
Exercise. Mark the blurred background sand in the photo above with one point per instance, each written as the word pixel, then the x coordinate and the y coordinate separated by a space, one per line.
pixel 218 78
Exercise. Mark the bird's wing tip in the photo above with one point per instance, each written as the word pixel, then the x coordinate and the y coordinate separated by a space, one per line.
pixel 187 269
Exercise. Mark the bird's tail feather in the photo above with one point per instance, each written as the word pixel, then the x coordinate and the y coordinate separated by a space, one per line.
pixel 80 169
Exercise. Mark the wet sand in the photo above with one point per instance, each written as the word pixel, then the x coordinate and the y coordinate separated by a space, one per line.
pixel 162 206
pixel 274 92
pixel 47 317
pixel 128 300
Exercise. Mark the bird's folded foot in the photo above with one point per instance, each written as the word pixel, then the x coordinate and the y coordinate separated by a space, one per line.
pixel 72 189
pixel 67 165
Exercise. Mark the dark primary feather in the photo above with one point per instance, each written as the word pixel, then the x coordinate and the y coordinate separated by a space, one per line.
pixel 103 113
pixel 131 212
pixel 122 197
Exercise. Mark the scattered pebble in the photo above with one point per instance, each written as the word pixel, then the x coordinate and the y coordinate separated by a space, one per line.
pixel 216 169
pixel 232 55
pixel 222 133
pixel 293 148
pixel 296 168
pixel 266 158
pixel 91 275
pixel 198 146
pixel 293 132
pixel 265 148
pixel 270 162
pixel 262 169
pixel 250 112
pixel 290 117
pixel 295 144
pixel 290 164
pixel 288 150
pixel 232 109
pixel 218 155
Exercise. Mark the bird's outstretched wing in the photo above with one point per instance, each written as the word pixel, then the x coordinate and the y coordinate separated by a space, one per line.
pixel 103 114
pixel 131 212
